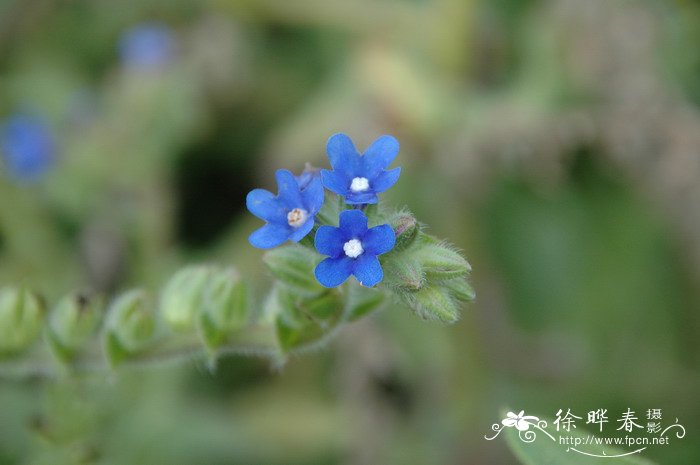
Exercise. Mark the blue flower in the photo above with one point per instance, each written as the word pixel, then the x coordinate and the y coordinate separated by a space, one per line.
pixel 28 146
pixel 147 46
pixel 359 178
pixel 352 249
pixel 289 215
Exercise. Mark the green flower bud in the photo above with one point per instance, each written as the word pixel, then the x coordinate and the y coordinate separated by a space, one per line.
pixel 406 229
pixel 71 323
pixel 294 266
pixel 21 318
pixel 433 303
pixel 225 306
pixel 130 325
pixel 226 299
pixel 182 297
pixel 439 261
pixel 402 273
pixel 460 289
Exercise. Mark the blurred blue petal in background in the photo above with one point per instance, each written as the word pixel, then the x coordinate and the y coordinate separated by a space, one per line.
pixel 28 146
pixel 147 46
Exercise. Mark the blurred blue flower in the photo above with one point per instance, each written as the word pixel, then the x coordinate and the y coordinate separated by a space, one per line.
pixel 27 145
pixel 360 178
pixel 352 249
pixel 289 215
pixel 147 46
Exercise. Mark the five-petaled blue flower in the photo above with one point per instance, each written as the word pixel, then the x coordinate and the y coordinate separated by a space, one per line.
pixel 289 215
pixel 352 249
pixel 28 146
pixel 359 178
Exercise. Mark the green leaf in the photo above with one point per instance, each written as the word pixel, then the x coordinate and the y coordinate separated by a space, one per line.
pixel 363 300
pixel 293 265
pixel 544 451
pixel 304 322
pixel 330 211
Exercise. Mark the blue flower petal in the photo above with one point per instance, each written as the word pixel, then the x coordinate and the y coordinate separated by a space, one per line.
pixel 312 196
pixel 288 189
pixel 379 240
pixel 367 270
pixel 269 236
pixel 385 180
pixel 343 155
pixel 379 155
pixel 329 241
pixel 361 198
pixel 333 272
pixel 266 206
pixel 301 232
pixel 335 182
pixel 353 224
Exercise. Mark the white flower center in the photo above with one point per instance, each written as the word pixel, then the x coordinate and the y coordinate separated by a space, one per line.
pixel 297 217
pixel 359 185
pixel 353 248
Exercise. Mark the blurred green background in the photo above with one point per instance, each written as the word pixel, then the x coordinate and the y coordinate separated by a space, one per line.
pixel 556 142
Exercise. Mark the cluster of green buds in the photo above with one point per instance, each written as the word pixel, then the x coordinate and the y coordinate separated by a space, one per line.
pixel 200 307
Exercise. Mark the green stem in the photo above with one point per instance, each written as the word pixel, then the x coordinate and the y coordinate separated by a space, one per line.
pixel 255 340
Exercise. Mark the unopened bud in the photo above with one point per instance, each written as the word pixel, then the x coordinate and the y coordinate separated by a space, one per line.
pixel 225 306
pixel 460 289
pixel 130 325
pixel 403 273
pixel 226 300
pixel 72 322
pixel 406 229
pixel 21 318
pixel 433 303
pixel 439 261
pixel 182 297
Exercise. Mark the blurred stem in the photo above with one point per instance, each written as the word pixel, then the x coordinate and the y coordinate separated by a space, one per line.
pixel 255 340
